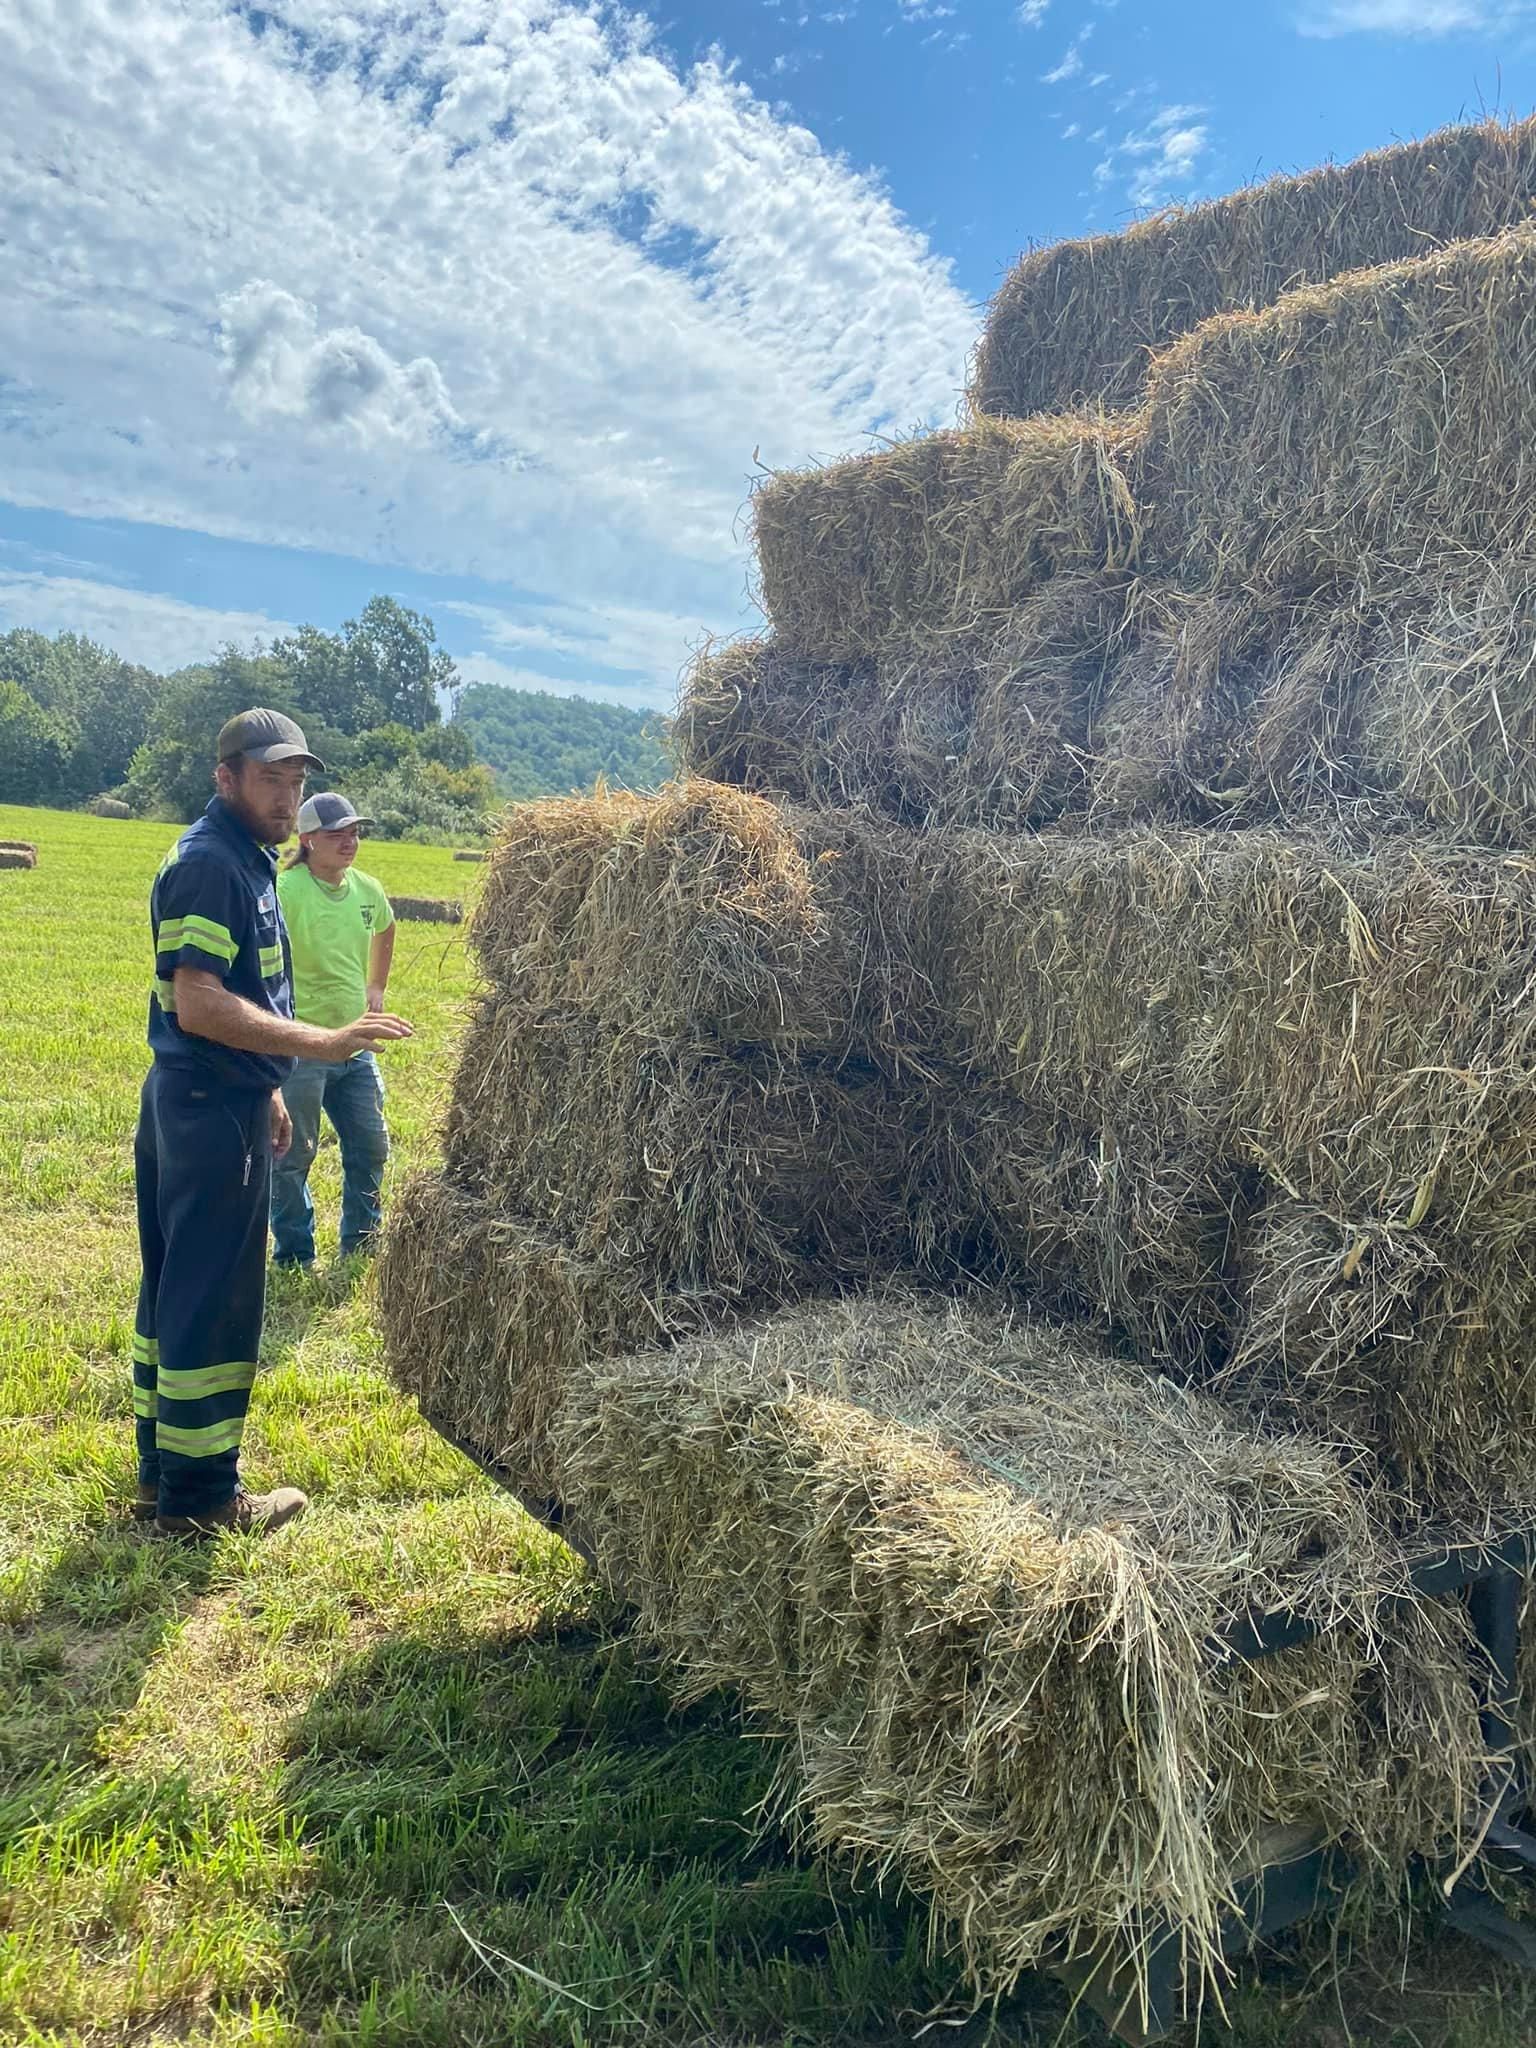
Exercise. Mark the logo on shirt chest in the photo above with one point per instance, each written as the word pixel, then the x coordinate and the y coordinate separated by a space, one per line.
pixel 367 910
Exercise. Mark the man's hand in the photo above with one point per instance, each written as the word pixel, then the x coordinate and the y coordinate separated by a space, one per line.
pixel 282 1125
pixel 366 1033
pixel 375 1001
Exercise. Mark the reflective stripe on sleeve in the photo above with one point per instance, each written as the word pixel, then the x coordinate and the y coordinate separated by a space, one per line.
pixel 201 932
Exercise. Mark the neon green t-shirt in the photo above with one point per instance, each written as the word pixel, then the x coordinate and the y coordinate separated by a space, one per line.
pixel 330 930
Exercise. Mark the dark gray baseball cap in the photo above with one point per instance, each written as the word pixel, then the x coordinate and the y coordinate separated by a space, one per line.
pixel 328 812
pixel 265 736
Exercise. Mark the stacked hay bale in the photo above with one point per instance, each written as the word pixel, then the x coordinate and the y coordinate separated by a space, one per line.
pixel 1061 902
pixel 1079 322
pixel 974 1566
pixel 685 1093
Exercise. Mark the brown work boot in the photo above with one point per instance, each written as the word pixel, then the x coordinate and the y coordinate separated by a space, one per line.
pixel 145 1504
pixel 248 1514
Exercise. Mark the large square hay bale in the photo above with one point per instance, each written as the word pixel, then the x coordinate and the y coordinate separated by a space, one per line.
pixel 942 536
pixel 1355 1026
pixel 709 914
pixel 993 729
pixel 1076 323
pixel 1449 714
pixel 892 736
pixel 1129 1231
pixel 973 1568
pixel 1371 427
pixel 1237 708
pixel 1410 1342
pixel 724 1175
pixel 486 1316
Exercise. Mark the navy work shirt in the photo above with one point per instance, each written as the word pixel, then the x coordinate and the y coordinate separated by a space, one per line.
pixel 214 906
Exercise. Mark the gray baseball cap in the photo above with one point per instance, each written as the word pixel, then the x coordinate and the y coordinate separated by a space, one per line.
pixel 265 736
pixel 328 812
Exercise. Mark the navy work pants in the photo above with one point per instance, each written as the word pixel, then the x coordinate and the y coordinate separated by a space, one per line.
pixel 202 1161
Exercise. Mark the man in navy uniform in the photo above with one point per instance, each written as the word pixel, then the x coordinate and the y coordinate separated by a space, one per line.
pixel 211 1120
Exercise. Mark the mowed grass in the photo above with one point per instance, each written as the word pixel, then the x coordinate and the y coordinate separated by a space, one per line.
pixel 397 1777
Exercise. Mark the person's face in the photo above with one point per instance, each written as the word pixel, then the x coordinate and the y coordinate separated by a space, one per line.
pixel 332 853
pixel 266 795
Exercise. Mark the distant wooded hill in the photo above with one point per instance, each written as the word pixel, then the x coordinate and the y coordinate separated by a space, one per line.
pixel 539 744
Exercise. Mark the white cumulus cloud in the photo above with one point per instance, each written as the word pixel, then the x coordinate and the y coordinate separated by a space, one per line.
pixel 280 363
pixel 1159 161
pixel 492 289
pixel 1072 60
pixel 145 626
pixel 1411 17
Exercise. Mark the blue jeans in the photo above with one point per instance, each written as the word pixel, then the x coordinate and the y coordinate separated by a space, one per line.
pixel 351 1092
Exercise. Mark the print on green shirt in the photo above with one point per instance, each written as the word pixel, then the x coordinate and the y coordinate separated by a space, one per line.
pixel 330 930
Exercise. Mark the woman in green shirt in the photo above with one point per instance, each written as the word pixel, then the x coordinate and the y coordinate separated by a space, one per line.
pixel 341 931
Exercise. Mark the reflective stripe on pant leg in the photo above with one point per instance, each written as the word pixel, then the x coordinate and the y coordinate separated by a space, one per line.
pixel 202 1407
pixel 214 1216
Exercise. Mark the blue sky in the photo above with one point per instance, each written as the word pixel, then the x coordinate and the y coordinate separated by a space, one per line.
pixel 500 304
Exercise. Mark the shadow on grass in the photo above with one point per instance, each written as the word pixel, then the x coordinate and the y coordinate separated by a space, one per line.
pixel 80 1658
pixel 295 1299
pixel 514 1839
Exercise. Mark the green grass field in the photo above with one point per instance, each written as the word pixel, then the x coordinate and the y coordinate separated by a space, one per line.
pixel 396 1777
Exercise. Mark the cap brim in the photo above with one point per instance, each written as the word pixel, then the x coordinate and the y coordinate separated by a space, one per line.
pixel 341 824
pixel 284 750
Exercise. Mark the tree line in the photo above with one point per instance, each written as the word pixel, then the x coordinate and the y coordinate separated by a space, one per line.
pixel 78 722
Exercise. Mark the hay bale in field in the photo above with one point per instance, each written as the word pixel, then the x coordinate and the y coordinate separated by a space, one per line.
pixel 1239 709
pixel 1076 323
pixel 943 536
pixel 427 909
pixel 1133 1233
pixel 1356 1027
pixel 760 718
pixel 486 1316
pixel 707 913
pixel 1116 700
pixel 1407 1341
pixel 1351 1023
pixel 463 853
pixel 108 807
pixel 1368 429
pixel 891 735
pixel 972 1567
pixel 1450 718
pixel 16 854
pixel 990 731
pixel 724 1176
